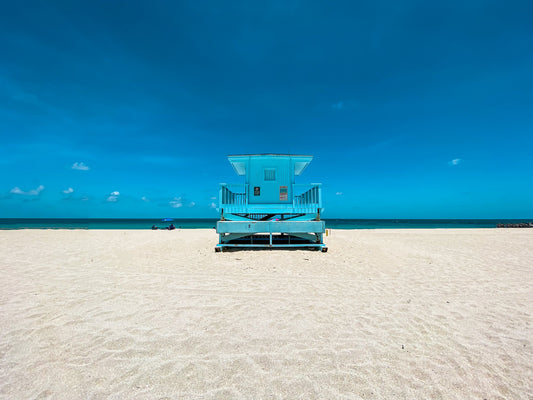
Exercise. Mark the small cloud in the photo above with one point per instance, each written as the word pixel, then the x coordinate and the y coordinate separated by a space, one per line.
pixel 33 192
pixel 212 205
pixel 68 191
pixel 80 166
pixel 113 196
pixel 455 161
pixel 339 193
pixel 144 198
pixel 176 202
pixel 343 105
pixel 213 198
pixel 16 190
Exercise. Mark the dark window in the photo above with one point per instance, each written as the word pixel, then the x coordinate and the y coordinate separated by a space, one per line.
pixel 257 191
pixel 270 174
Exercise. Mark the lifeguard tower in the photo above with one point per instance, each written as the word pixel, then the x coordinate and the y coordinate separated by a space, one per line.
pixel 269 209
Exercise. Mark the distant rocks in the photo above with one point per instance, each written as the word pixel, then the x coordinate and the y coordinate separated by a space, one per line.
pixel 519 225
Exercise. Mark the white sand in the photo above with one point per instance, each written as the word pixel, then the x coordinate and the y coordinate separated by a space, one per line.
pixel 394 314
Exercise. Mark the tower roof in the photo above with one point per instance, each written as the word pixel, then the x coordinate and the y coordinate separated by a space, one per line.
pixel 240 162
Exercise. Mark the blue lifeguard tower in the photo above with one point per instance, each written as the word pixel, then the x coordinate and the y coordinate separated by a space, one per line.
pixel 269 209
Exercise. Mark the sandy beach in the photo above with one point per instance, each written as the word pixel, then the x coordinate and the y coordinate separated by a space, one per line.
pixel 385 314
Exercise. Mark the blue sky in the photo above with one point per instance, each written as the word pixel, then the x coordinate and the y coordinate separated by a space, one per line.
pixel 412 109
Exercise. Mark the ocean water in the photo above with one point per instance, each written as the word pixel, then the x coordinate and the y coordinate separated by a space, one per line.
pixel 102 223
pixel 418 223
pixel 209 223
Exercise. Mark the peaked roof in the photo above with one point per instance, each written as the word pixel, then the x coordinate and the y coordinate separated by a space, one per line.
pixel 240 162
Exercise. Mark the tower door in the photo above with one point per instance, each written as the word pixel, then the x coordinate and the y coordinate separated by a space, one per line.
pixel 269 186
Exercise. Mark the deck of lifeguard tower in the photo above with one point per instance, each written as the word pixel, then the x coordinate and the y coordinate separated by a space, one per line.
pixel 270 209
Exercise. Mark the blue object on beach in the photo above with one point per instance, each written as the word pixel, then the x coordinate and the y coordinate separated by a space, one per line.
pixel 269 202
pixel 168 219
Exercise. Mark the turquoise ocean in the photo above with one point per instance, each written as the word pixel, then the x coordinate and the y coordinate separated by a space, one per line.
pixel 208 223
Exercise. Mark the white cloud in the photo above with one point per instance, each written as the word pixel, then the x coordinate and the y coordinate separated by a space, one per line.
pixel 344 105
pixel 68 191
pixel 213 198
pixel 16 190
pixel 176 202
pixel 212 205
pixel 144 198
pixel 113 196
pixel 80 166
pixel 455 161
pixel 339 193
pixel 33 192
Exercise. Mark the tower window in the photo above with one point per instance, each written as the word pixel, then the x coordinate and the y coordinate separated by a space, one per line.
pixel 270 174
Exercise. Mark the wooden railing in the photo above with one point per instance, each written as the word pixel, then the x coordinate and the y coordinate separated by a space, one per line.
pixel 306 198
pixel 234 195
pixel 310 196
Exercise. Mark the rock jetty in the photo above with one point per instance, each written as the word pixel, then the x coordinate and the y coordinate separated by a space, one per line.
pixel 518 225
